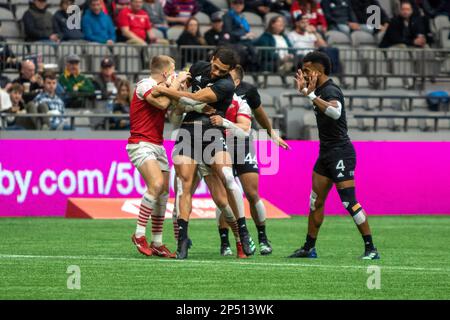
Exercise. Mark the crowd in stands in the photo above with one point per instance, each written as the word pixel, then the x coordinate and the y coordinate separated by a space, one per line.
pixel 300 26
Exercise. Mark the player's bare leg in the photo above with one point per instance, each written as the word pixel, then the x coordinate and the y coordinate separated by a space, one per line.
pixel 346 190
pixel 321 186
pixel 250 183
pixel 154 180
pixel 185 168
pixel 224 213
pixel 223 169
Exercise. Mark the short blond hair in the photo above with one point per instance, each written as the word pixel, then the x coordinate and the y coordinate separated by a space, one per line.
pixel 161 63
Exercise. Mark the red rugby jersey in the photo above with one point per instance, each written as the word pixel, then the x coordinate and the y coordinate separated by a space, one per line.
pixel 146 121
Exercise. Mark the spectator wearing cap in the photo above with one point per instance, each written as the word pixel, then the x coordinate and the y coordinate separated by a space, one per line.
pixel 179 11
pixel 312 11
pixel 38 23
pixel 216 36
pixel 305 37
pixel 30 80
pixel 191 37
pixel 135 25
pixel 15 106
pixel 48 100
pixel 156 14
pixel 74 82
pixel 60 23
pixel 340 16
pixel 107 81
pixel 97 25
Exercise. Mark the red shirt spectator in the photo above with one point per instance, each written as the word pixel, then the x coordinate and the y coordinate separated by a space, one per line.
pixel 179 11
pixel 137 21
pixel 311 10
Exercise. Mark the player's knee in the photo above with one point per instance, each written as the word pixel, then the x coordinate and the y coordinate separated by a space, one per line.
pixel 350 203
pixel 156 187
pixel 315 202
pixel 228 177
pixel 252 196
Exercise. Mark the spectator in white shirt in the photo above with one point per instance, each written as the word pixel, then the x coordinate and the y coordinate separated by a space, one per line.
pixel 305 37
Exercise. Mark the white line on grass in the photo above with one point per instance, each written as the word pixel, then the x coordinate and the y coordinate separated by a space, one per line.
pixel 223 262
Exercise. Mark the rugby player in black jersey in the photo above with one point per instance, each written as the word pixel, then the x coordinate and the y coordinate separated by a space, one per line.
pixel 337 159
pixel 201 142
pixel 246 165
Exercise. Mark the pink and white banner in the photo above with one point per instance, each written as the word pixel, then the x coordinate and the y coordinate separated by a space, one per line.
pixel 38 176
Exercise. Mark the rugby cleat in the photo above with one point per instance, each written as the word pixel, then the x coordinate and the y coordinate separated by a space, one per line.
pixel 142 245
pixel 182 249
pixel 240 251
pixel 371 254
pixel 225 250
pixel 302 253
pixel 265 248
pixel 162 251
pixel 248 245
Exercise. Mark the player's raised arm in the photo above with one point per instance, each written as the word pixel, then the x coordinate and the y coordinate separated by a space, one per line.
pixel 161 101
pixel 330 108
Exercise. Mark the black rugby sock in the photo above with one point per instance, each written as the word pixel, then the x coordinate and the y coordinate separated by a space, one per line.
pixel 223 232
pixel 182 229
pixel 310 242
pixel 368 243
pixel 261 233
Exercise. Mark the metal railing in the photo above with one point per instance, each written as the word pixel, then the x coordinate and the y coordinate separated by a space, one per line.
pixel 373 63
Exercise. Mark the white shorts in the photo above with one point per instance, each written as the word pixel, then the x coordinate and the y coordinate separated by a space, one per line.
pixel 203 170
pixel 142 151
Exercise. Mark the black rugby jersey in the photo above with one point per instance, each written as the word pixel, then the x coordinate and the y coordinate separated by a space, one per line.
pixel 332 133
pixel 222 87
pixel 249 93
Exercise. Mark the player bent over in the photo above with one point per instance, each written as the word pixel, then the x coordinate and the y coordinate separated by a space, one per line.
pixel 337 158
pixel 148 155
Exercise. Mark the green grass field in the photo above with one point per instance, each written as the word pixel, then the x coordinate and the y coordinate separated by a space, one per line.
pixel 36 252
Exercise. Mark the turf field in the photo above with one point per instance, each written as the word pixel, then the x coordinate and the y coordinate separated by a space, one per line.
pixel 36 252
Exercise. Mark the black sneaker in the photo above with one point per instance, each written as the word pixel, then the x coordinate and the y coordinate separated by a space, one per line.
pixel 182 250
pixel 225 250
pixel 371 254
pixel 248 245
pixel 264 247
pixel 302 253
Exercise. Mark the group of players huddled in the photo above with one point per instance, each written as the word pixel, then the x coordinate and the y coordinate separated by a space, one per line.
pixel 213 108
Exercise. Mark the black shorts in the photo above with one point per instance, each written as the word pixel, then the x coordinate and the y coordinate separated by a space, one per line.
pixel 244 157
pixel 338 163
pixel 199 142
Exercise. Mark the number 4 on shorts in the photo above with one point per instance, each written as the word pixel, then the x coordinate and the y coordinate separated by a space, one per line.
pixel 340 165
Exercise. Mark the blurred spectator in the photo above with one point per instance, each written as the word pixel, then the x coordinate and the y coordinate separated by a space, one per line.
pixel 339 15
pixel 135 25
pixel 4 82
pixel 405 30
pixel 77 86
pixel 312 11
pixel 96 25
pixel 305 37
pixel 281 59
pixel 49 101
pixel 121 105
pixel 262 7
pixel 156 14
pixel 16 107
pixel 116 6
pixel 7 57
pixel 179 11
pixel 107 81
pixel 433 8
pixel 60 23
pixel 216 36
pixel 235 23
pixel 38 23
pixel 359 8
pixel 30 80
pixel 191 37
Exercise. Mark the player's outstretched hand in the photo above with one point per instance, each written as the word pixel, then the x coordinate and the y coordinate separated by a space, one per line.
pixel 216 120
pixel 183 76
pixel 312 84
pixel 282 144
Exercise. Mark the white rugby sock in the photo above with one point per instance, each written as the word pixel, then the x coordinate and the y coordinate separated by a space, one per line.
pixel 148 206
pixel 158 219
pixel 261 211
